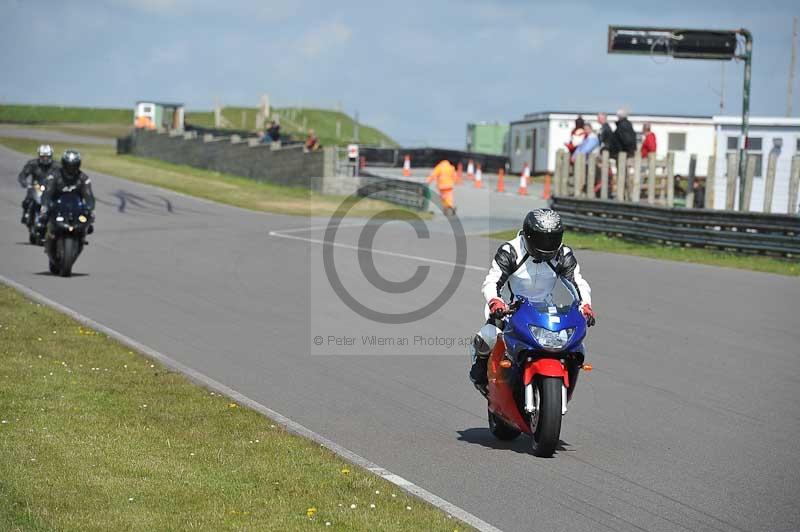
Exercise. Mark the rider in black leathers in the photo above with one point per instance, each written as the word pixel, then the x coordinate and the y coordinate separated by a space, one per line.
pixel 35 173
pixel 67 178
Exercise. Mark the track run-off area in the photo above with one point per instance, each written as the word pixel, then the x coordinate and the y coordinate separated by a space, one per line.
pixel 689 421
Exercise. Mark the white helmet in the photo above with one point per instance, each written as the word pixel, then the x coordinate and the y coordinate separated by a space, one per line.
pixel 45 154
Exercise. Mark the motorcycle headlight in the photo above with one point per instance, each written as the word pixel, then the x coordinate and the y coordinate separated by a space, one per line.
pixel 552 339
pixel 82 219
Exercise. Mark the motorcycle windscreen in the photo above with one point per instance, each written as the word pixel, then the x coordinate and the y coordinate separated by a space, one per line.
pixel 69 204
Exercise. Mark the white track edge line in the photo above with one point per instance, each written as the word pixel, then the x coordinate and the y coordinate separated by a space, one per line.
pixel 288 424
pixel 378 251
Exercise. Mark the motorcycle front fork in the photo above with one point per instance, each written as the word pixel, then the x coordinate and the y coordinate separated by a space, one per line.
pixel 532 399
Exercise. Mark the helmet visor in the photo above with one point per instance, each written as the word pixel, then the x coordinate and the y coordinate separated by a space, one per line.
pixel 541 243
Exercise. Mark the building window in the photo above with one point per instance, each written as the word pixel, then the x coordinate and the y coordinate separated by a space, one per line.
pixel 516 141
pixel 528 140
pixel 541 140
pixel 733 143
pixel 754 143
pixel 797 145
pixel 676 142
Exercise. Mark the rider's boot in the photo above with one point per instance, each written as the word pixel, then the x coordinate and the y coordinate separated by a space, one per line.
pixel 480 364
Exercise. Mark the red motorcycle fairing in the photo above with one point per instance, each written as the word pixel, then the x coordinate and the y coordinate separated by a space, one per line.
pixel 500 391
pixel 548 367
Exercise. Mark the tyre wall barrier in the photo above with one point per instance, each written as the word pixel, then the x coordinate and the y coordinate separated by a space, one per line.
pixel 429 157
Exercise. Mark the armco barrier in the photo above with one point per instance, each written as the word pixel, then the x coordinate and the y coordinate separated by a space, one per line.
pixel 397 191
pixel 742 231
pixel 429 157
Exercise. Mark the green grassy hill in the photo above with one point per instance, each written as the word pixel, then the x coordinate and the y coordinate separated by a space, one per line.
pixel 295 121
pixel 42 114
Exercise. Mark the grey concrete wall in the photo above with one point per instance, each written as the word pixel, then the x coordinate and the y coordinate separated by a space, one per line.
pixel 284 166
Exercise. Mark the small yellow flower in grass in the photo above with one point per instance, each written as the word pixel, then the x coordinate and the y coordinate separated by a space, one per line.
pixel 408 508
pixel 233 405
pixel 394 495
pixel 353 506
pixel 345 471
pixel 130 499
pixel 311 512
pixel 377 492
pixel 327 523
pixel 372 506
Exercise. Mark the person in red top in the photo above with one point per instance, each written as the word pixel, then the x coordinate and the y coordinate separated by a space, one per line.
pixel 649 142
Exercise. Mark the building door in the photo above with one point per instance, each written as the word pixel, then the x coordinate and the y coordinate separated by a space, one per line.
pixel 533 151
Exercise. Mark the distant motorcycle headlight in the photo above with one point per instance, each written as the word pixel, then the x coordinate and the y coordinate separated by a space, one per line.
pixel 552 340
pixel 82 219
pixel 59 218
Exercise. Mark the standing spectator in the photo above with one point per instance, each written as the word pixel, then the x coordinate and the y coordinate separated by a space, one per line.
pixel 608 141
pixel 577 135
pixel 626 136
pixel 589 144
pixel 312 142
pixel 649 142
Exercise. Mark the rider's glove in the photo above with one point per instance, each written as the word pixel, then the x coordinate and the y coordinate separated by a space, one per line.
pixel 497 307
pixel 588 313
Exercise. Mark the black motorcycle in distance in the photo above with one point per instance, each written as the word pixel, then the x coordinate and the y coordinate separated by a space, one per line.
pixel 67 228
pixel 35 232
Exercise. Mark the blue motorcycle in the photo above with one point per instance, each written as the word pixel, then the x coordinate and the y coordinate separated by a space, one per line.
pixel 534 366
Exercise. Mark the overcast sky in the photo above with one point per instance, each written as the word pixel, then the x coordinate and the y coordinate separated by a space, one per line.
pixel 418 70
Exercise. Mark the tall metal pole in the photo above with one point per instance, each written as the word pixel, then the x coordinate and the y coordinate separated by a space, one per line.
pixel 748 57
pixel 791 68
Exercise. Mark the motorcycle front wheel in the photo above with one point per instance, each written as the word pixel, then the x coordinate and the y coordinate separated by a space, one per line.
pixel 546 421
pixel 67 249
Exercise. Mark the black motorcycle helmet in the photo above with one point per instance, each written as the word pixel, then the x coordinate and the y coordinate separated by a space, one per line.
pixel 45 155
pixel 542 232
pixel 71 163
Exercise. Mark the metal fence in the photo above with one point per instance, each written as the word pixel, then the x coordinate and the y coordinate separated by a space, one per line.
pixel 406 193
pixel 742 231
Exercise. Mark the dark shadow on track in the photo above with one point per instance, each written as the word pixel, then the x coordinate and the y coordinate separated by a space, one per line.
pixel 48 274
pixel 483 437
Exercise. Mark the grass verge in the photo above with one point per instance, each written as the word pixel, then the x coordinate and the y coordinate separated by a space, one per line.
pixel 599 242
pixel 223 188
pixel 96 437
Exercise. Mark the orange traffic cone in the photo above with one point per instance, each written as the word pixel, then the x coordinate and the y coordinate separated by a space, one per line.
pixel 547 192
pixel 501 186
pixel 523 180
pixel 470 169
pixel 478 177
pixel 407 166
pixel 459 173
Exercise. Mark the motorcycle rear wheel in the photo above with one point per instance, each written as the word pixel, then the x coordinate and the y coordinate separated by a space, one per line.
pixel 546 425
pixel 500 429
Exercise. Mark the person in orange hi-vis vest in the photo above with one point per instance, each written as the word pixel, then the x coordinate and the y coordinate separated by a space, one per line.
pixel 444 174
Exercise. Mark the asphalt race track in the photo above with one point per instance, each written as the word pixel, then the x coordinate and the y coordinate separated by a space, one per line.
pixel 690 420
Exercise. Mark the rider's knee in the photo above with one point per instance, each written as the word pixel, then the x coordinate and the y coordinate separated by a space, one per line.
pixel 485 339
